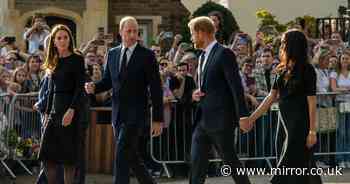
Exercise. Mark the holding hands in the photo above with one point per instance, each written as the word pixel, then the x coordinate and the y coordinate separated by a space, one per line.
pixel 197 95
pixel 246 124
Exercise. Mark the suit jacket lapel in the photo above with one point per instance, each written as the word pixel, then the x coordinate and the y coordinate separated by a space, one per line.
pixel 209 60
pixel 116 56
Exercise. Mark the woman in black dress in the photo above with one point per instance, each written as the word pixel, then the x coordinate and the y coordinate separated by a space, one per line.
pixel 61 136
pixel 295 89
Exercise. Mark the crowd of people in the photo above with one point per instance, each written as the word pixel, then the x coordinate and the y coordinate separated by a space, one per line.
pixel 21 70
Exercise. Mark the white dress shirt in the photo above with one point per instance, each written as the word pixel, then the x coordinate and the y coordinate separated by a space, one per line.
pixel 207 51
pixel 128 54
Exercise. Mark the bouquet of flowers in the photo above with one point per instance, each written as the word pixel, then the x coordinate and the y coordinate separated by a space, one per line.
pixel 9 137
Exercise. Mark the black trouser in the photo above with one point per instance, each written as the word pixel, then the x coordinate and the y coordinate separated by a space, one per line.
pixel 224 144
pixel 128 156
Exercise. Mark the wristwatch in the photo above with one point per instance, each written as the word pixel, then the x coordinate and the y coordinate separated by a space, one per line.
pixel 312 132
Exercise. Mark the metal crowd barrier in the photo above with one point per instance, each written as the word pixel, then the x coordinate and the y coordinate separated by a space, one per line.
pixel 19 130
pixel 339 24
pixel 174 145
pixel 333 124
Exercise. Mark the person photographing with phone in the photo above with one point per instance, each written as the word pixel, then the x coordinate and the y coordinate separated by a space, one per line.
pixel 36 34
pixel 7 43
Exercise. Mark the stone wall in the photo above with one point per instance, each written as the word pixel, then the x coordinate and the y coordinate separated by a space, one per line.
pixel 78 6
pixel 171 12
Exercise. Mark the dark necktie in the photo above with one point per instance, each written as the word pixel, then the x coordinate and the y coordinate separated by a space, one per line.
pixel 123 65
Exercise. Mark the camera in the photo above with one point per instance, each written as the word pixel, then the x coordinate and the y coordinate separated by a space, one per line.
pixel 10 39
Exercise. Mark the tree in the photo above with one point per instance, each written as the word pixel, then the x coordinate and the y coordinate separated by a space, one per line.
pixel 229 22
pixel 267 19
pixel 310 23
pixel 271 27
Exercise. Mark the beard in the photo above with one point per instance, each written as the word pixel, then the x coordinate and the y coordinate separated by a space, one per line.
pixel 199 44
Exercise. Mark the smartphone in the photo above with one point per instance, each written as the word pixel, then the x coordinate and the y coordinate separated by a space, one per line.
pixel 10 39
pixel 101 30
pixel 108 38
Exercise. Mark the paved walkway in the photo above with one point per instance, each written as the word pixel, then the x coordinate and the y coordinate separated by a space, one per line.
pixel 107 179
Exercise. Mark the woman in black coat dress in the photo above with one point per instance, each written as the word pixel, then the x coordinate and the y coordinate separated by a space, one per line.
pixel 295 89
pixel 61 136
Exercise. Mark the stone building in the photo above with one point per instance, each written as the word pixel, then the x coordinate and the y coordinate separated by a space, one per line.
pixel 85 16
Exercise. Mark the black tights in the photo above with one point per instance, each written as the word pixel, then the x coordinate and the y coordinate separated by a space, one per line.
pixel 68 173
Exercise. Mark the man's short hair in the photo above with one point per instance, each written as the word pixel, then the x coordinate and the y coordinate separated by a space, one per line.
pixel 182 64
pixel 125 20
pixel 204 24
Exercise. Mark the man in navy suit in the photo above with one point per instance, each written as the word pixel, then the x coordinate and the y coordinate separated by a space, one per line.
pixel 220 103
pixel 132 73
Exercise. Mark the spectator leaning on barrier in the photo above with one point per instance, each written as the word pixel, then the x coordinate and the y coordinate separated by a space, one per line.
pixel 340 82
pixel 4 79
pixel 5 74
pixel 321 62
pixel 13 88
pixel 324 101
pixel 34 72
pixel 263 72
pixel 247 73
pixel 20 77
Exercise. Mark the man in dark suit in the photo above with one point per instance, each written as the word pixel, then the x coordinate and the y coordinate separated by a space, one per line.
pixel 220 103
pixel 132 73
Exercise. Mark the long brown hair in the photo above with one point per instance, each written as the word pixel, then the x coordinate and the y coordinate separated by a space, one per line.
pixel 52 52
pixel 339 65
pixel 29 60
pixel 17 70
